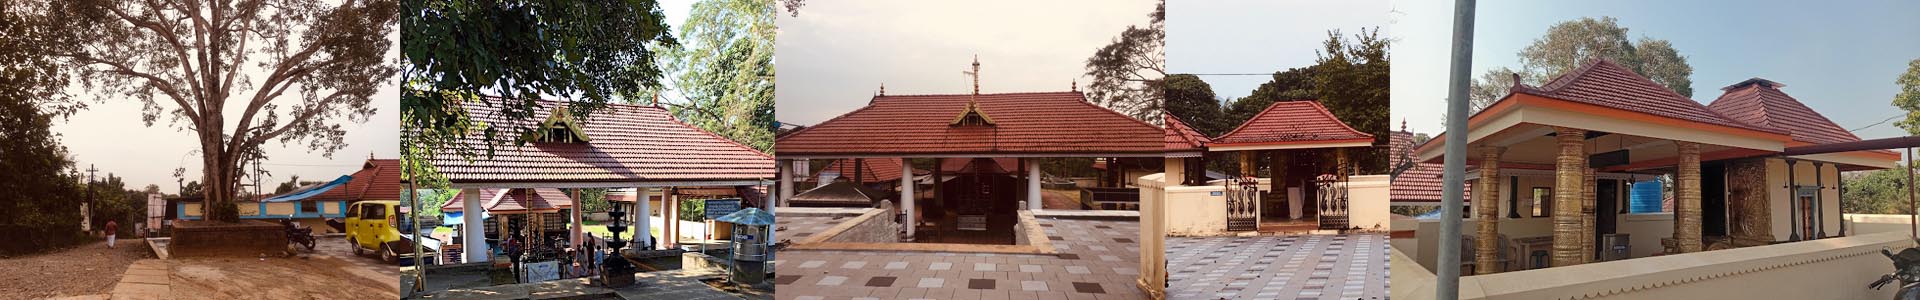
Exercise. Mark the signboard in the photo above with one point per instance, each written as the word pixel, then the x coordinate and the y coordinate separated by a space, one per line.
pixel 1607 159
pixel 541 271
pixel 720 207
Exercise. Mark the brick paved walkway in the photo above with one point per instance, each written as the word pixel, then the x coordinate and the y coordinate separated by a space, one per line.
pixel 1098 260
pixel 1278 267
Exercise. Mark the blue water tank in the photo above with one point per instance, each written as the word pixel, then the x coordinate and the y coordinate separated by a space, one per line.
pixel 1646 197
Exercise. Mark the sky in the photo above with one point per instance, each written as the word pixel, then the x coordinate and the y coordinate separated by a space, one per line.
pixel 835 56
pixel 109 135
pixel 1839 59
pixel 1214 37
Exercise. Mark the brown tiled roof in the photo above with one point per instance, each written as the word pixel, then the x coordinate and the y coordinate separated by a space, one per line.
pixel 1291 121
pixel 1760 102
pixel 516 201
pixel 629 143
pixel 1181 137
pixel 997 165
pixel 1602 82
pixel 1028 123
pixel 378 179
pixel 838 194
pixel 1421 183
pixel 876 169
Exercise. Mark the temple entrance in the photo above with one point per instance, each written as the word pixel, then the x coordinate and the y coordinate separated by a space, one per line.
pixel 1242 193
pixel 1713 199
pixel 976 204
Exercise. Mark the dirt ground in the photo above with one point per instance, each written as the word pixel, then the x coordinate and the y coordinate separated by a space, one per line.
pixel 330 272
pixel 89 268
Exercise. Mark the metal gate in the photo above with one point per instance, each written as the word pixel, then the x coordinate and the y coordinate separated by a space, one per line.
pixel 1332 202
pixel 1243 203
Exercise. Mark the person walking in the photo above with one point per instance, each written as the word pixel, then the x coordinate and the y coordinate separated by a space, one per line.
pixel 113 228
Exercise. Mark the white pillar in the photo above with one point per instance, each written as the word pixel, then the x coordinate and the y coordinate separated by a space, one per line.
pixel 786 179
pixel 475 237
pixel 1033 184
pixel 906 193
pixel 670 215
pixel 643 220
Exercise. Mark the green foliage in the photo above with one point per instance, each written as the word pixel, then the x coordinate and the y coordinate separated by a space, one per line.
pixel 1127 74
pixel 516 52
pixel 593 200
pixel 1192 100
pixel 1909 97
pixel 39 209
pixel 725 71
pixel 1570 44
pixel 1875 192
pixel 1292 84
pixel 693 210
pixel 1412 210
pixel 292 183
pixel 1352 80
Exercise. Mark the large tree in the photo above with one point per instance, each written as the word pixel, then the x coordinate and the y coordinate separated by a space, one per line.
pixel 1570 44
pixel 1908 98
pixel 39 209
pixel 236 73
pixel 1192 100
pixel 1127 73
pixel 723 71
pixel 1352 80
pixel 1294 83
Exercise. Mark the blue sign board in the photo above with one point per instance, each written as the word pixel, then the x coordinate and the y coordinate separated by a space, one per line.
pixel 720 207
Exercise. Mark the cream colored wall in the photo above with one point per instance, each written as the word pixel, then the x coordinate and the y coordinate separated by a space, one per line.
pixel 247 209
pixel 191 210
pixel 1367 199
pixel 1196 210
pixel 282 208
pixel 1860 224
pixel 1645 231
pixel 1780 271
pixel 1778 196
pixel 1153 230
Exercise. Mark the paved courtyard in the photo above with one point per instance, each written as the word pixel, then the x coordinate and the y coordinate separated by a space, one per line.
pixel 1098 259
pixel 1278 267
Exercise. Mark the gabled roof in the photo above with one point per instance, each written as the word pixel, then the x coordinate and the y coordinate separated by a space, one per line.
pixel 1604 83
pixel 837 194
pixel 1056 123
pixel 1181 137
pixel 377 179
pixel 515 201
pixel 1420 183
pixel 631 143
pixel 1760 102
pixel 1298 121
pixel 875 169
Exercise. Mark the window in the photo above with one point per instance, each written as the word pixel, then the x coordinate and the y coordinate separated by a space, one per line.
pixel 354 212
pixel 1542 202
pixel 310 206
pixel 373 212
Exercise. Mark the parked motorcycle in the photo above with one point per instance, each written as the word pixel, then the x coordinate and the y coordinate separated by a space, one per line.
pixel 297 234
pixel 1906 269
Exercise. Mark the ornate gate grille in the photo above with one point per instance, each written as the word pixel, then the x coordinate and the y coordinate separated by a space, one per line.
pixel 1332 202
pixel 1243 203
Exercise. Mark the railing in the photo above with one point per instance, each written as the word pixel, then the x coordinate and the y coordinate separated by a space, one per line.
pixel 1243 203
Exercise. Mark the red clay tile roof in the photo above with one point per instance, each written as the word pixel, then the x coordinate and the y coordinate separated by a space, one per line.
pixel 1181 137
pixel 378 179
pixel 1602 82
pixel 1760 102
pixel 997 165
pixel 1421 183
pixel 1291 121
pixel 630 143
pixel 877 169
pixel 516 201
pixel 1027 123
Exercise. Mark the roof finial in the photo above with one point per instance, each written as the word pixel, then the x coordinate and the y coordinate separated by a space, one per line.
pixel 1076 84
pixel 656 98
pixel 976 77
pixel 883 89
pixel 1403 125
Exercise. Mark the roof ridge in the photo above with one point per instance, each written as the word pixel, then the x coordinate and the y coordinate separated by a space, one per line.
pixel 1343 123
pixel 982 94
pixel 676 120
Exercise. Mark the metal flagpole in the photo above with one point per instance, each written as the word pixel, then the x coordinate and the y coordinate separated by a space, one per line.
pixel 1454 178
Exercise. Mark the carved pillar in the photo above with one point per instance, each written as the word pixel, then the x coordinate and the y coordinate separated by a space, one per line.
pixel 1587 213
pixel 1686 203
pixel 1247 167
pixel 1747 199
pixel 1486 203
pixel 1566 196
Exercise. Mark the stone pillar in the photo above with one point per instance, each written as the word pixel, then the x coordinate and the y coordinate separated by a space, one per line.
pixel 1566 196
pixel 475 236
pixel 786 179
pixel 1587 213
pixel 642 218
pixel 1686 202
pixel 1747 200
pixel 1033 184
pixel 1486 202
pixel 906 192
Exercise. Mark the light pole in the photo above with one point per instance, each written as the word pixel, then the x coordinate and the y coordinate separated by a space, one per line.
pixel 1453 181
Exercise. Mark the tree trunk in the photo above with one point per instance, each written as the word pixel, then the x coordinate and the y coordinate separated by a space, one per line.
pixel 220 185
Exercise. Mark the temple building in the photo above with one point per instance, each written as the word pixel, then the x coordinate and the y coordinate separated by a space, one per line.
pixel 1551 169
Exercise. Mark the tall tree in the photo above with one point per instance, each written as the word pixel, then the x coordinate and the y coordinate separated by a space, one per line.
pixel 1570 44
pixel 1294 83
pixel 40 205
pixel 189 61
pixel 1908 98
pixel 1352 80
pixel 1192 100
pixel 1127 73
pixel 723 71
